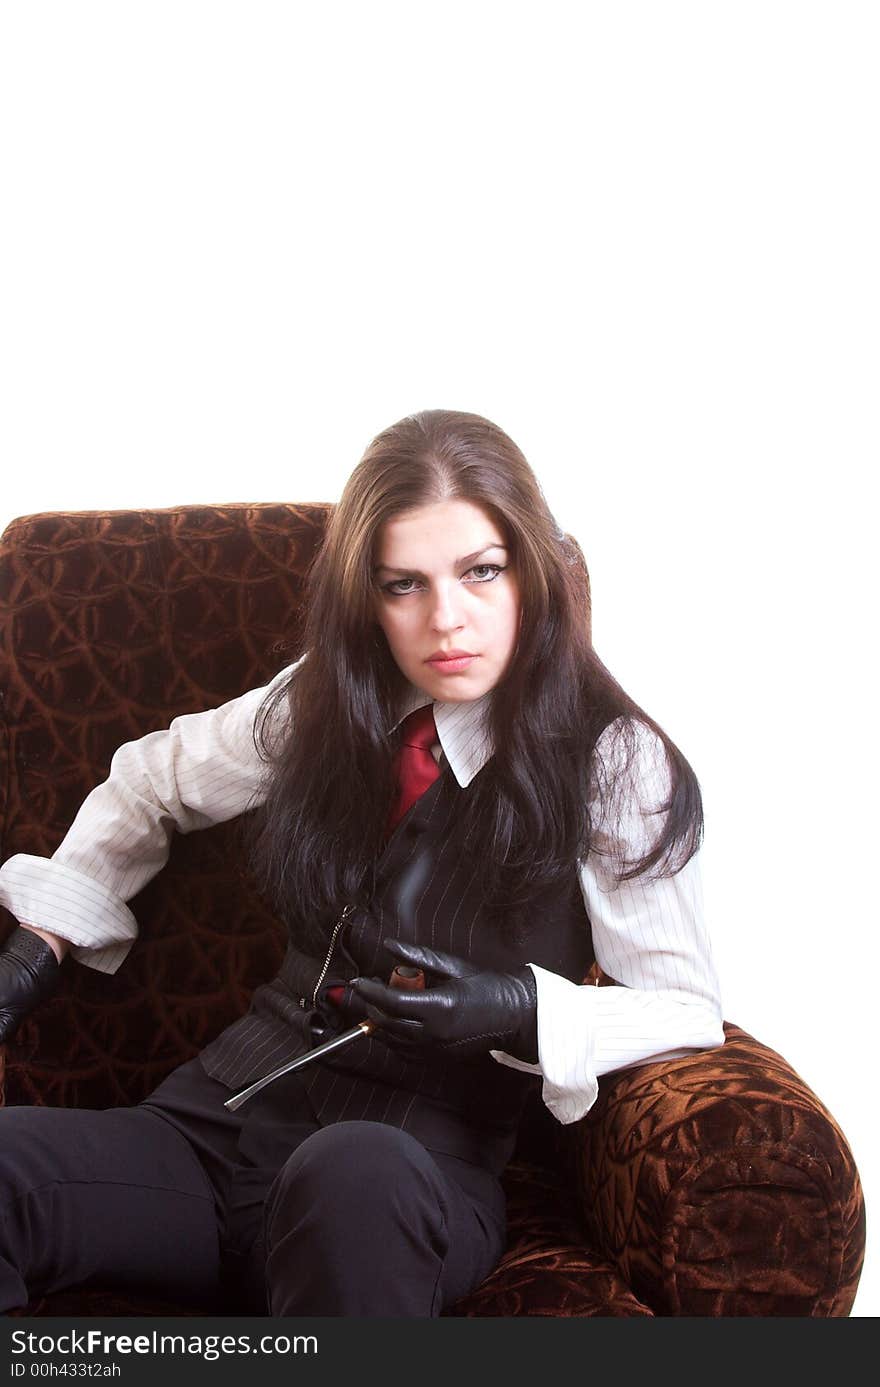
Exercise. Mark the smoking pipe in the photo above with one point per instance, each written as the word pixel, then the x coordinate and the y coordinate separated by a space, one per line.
pixel 407 978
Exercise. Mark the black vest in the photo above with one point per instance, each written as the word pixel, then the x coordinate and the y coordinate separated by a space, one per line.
pixel 428 890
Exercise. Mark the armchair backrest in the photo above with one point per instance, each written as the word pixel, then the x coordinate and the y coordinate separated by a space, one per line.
pixel 111 624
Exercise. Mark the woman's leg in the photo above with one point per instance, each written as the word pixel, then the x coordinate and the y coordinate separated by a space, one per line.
pixel 113 1197
pixel 241 1153
pixel 364 1221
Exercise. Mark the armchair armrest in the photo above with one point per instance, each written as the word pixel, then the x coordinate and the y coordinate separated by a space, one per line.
pixel 718 1184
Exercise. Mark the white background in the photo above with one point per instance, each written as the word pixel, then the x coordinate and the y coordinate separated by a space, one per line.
pixel 240 239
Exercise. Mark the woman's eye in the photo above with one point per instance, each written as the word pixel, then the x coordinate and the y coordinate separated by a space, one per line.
pixel 491 570
pixel 393 588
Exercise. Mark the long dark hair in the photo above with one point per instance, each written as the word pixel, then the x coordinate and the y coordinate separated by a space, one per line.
pixel 555 788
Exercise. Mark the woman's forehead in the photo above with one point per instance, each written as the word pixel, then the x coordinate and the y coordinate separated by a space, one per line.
pixel 451 530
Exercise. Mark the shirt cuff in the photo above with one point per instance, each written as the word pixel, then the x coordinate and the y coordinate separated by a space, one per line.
pixel 97 923
pixel 566 1046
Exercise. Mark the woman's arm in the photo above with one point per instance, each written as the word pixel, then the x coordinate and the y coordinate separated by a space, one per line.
pixel 651 938
pixel 204 769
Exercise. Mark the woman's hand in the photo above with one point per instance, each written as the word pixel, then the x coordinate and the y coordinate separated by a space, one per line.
pixel 338 1009
pixel 463 1011
pixel 29 972
pixel 58 945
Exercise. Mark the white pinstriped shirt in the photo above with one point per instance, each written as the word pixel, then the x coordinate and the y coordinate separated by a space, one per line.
pixel 204 769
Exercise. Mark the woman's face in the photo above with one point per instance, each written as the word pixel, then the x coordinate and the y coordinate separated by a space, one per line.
pixel 444 582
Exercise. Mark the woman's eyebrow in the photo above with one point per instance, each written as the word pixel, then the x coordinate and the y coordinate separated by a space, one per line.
pixel 468 559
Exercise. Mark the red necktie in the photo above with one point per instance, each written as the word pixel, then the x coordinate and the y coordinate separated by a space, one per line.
pixel 415 769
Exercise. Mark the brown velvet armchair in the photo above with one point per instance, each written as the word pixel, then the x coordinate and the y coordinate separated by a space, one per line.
pixel 712 1185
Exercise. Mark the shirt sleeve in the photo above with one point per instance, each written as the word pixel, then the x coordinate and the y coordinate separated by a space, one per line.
pixel 203 769
pixel 651 937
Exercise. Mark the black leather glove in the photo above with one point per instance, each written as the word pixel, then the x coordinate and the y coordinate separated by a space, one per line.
pixel 29 973
pixel 464 1011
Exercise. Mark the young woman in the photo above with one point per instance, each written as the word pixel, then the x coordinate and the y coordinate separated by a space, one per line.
pixel 448 780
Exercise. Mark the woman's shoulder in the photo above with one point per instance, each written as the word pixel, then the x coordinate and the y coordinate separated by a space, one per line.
pixel 628 741
pixel 272 706
pixel 631 771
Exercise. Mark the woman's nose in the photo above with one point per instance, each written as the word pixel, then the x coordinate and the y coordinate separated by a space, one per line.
pixel 446 608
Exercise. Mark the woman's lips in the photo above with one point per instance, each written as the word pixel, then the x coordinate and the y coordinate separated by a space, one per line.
pixel 452 666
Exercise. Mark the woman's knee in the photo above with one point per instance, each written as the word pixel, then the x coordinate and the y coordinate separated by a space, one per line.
pixel 367 1172
pixel 355 1225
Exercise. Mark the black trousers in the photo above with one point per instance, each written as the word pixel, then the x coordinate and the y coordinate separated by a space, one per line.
pixel 261 1211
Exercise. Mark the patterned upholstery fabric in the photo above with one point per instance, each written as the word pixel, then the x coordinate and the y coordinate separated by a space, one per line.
pixel 712 1185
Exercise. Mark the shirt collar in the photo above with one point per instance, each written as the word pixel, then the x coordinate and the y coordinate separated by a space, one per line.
pixel 462 729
